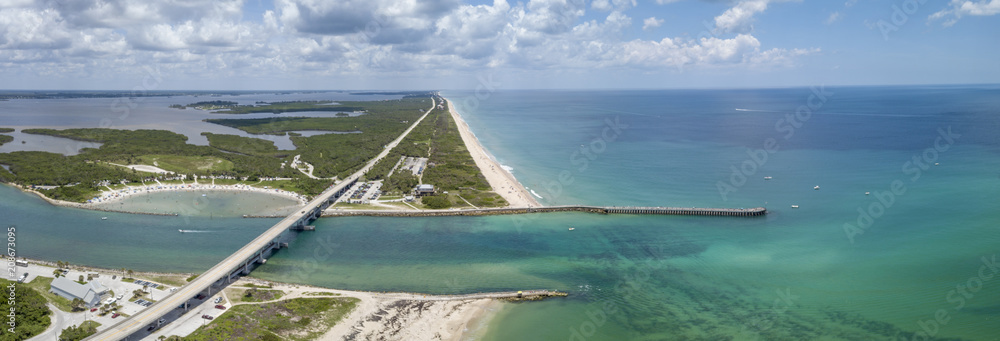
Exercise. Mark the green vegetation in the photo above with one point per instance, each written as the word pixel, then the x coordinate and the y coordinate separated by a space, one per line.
pixel 243 145
pixel 295 319
pixel 5 138
pixel 320 293
pixel 42 285
pixel 282 107
pixel 32 313
pixel 450 166
pixel 436 201
pixel 79 176
pixel 192 277
pixel 186 164
pixel 257 295
pixel 341 154
pixel 207 105
pixel 75 333
pixel 6 130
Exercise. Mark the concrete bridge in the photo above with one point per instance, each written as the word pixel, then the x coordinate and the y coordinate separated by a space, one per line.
pixel 250 255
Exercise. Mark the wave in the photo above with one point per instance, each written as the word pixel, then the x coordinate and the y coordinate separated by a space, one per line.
pixel 535 194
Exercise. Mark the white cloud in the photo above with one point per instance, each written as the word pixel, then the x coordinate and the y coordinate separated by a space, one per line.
pixel 651 23
pixel 959 8
pixel 608 5
pixel 834 17
pixel 739 18
pixel 358 37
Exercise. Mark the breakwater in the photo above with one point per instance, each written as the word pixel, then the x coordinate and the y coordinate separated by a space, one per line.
pixel 722 212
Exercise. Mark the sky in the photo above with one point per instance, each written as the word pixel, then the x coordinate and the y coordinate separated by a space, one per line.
pixel 465 44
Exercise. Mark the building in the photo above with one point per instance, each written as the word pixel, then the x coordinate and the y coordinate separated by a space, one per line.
pixel 424 189
pixel 90 293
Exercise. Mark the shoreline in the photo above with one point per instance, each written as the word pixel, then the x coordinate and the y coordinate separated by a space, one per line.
pixel 378 315
pixel 503 182
pixel 110 197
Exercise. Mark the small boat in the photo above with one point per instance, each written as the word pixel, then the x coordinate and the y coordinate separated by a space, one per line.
pixel 795 206
pixel 816 188
pixel 868 193
pixel 181 231
pixel 767 178
pixel 104 218
pixel 572 228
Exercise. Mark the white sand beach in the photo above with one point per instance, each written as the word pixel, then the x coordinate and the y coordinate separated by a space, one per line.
pixel 500 179
pixel 398 316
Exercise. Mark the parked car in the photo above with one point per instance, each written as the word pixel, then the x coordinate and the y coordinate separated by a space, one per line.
pixel 218 299
pixel 219 306
pixel 115 315
pixel 207 317
pixel 93 309
pixel 200 297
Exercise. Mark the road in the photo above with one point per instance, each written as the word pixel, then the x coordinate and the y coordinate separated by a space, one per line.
pixel 204 281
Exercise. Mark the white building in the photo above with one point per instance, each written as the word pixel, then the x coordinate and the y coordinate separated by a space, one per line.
pixel 424 189
pixel 90 293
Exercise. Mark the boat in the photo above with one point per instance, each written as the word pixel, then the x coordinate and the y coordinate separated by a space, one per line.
pixel 816 188
pixel 104 218
pixel 767 178
pixel 572 228
pixel 181 231
pixel 795 206
pixel 868 193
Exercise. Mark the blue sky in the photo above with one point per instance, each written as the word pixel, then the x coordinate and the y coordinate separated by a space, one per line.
pixel 454 44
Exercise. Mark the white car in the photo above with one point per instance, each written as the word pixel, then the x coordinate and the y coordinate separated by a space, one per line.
pixel 119 296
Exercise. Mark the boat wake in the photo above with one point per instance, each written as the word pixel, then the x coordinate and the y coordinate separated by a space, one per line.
pixel 194 231
pixel 755 110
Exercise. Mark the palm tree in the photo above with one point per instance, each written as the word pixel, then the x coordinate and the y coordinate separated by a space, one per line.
pixel 77 303
pixel 57 273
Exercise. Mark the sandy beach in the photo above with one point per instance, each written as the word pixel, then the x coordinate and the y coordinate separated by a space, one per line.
pixel 500 179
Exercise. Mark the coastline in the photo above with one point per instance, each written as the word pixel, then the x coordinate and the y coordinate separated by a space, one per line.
pixel 110 197
pixel 502 181
pixel 378 315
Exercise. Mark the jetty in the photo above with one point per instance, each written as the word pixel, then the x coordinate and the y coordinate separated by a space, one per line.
pixel 513 296
pixel 696 211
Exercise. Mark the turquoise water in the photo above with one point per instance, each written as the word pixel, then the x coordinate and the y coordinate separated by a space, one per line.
pixel 792 275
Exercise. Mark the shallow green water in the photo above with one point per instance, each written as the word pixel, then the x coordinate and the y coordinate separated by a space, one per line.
pixel 792 275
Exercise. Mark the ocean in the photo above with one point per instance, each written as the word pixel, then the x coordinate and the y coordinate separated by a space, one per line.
pixel 898 242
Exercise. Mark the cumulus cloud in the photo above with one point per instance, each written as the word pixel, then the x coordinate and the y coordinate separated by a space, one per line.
pixel 959 8
pixel 651 23
pixel 359 37
pixel 739 18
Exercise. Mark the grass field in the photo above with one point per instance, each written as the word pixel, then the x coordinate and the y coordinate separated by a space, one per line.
pixel 297 319
pixel 42 284
pixel 186 164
